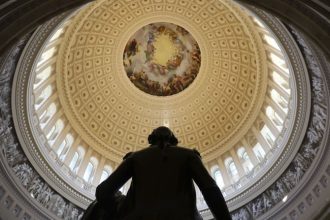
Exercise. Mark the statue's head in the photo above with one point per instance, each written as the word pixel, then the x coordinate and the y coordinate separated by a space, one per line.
pixel 162 134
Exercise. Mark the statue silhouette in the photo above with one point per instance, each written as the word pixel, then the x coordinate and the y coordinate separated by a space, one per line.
pixel 162 184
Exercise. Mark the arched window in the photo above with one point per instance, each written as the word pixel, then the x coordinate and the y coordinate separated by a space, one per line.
pixel 57 34
pixel 240 153
pixel 232 170
pixel 77 158
pixel 247 164
pixel 259 152
pixel 271 41
pixel 61 148
pixel 279 62
pixel 90 169
pixel 107 170
pixel 46 55
pixel 274 117
pixel 64 147
pixel 74 161
pixel 57 128
pixel 245 156
pixel 52 131
pixel 88 172
pixel 218 179
pixel 277 78
pixel 46 115
pixel 104 175
pixel 268 135
pixel 280 100
pixel 258 22
pixel 45 94
pixel 42 76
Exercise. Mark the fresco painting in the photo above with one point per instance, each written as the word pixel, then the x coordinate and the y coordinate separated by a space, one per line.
pixel 162 59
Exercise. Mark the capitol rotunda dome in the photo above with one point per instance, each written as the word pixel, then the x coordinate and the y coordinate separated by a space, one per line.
pixel 226 79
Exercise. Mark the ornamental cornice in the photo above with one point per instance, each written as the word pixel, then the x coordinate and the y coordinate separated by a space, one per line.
pixel 18 175
pixel 296 122
pixel 298 190
pixel 29 135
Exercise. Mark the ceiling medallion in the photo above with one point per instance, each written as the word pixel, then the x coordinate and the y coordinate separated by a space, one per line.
pixel 162 59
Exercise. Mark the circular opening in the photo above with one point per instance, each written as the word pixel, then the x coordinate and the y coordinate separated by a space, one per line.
pixel 162 59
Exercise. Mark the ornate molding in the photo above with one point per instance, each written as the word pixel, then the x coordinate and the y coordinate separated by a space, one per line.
pixel 311 160
pixel 34 190
pixel 298 114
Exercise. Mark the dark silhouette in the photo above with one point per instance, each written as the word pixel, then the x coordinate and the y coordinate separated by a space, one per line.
pixel 162 183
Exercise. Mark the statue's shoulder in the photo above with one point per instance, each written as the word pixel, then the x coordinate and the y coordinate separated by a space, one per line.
pixel 127 155
pixel 190 151
pixel 196 152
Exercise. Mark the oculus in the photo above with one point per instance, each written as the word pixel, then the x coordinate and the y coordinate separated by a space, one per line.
pixel 162 59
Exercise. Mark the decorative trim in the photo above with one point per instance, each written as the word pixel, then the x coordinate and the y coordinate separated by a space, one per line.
pixel 310 163
pixel 298 114
pixel 25 193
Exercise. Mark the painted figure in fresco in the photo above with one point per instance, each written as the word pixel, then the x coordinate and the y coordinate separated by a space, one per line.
pixel 132 48
pixel 150 48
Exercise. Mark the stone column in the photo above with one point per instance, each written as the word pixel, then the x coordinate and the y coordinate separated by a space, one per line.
pixel 72 150
pixel 84 162
pixel 98 172
pixel 50 80
pixel 248 148
pixel 208 166
pixel 224 172
pixel 264 144
pixel 276 108
pixel 280 71
pixel 44 106
pixel 273 50
pixel 61 138
pixel 237 162
pixel 280 90
pixel 270 124
pixel 52 121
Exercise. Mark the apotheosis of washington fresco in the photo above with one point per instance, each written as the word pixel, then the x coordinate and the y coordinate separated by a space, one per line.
pixel 162 59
